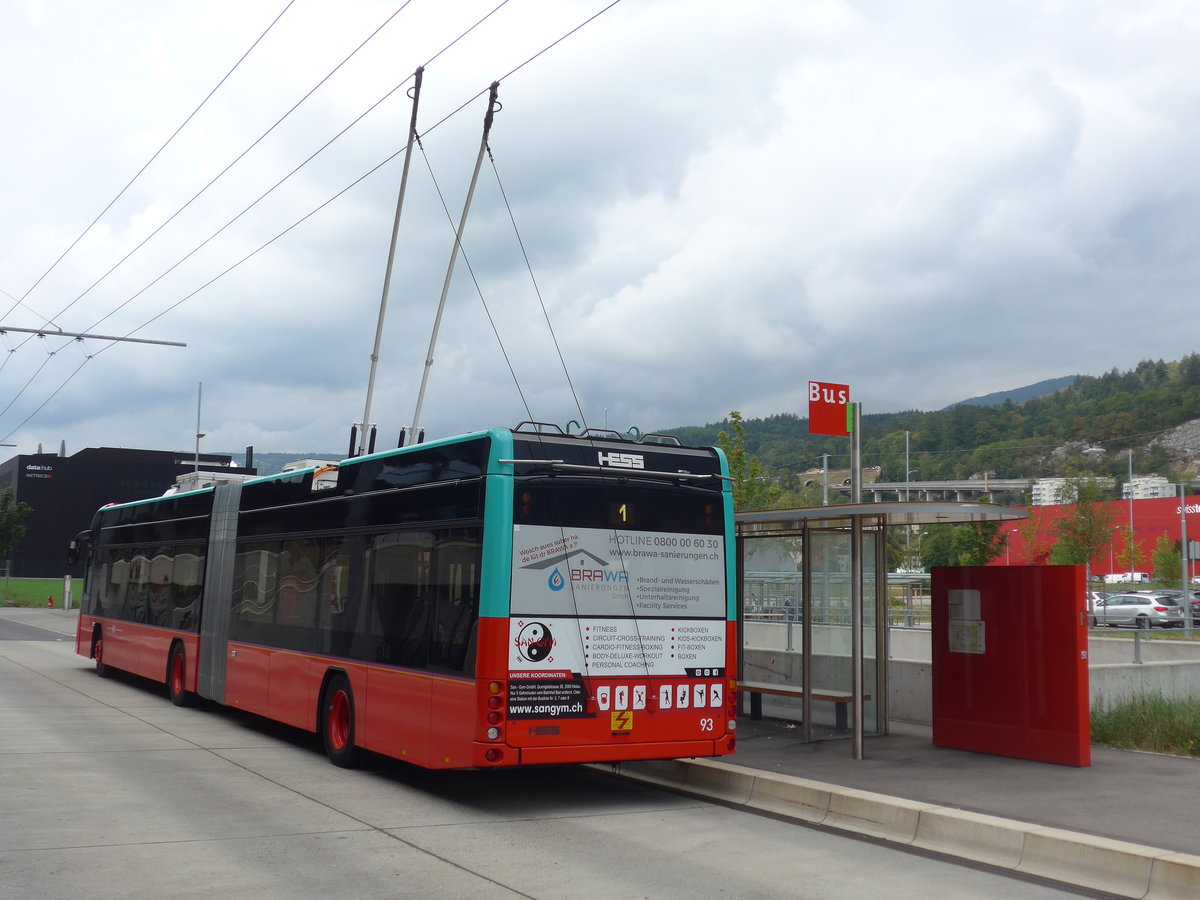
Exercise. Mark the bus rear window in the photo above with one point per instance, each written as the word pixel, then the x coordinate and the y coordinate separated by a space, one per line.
pixel 629 506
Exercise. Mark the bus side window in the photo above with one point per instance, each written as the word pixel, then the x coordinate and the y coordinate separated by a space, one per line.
pixel 400 597
pixel 114 601
pixel 456 601
pixel 187 578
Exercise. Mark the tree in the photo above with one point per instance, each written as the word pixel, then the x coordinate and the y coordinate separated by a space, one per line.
pixel 1129 557
pixel 750 489
pixel 1086 529
pixel 978 543
pixel 937 547
pixel 1034 549
pixel 1167 561
pixel 12 522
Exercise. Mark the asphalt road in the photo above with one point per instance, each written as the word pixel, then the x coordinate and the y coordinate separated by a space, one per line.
pixel 21 624
pixel 111 791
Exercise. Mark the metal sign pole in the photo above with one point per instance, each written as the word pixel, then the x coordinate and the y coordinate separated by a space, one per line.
pixel 856 587
pixel 1185 554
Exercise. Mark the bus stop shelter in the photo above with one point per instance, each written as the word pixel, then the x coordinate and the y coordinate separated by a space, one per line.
pixel 824 569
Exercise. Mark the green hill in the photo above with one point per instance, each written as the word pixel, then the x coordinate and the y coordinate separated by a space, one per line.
pixel 1042 436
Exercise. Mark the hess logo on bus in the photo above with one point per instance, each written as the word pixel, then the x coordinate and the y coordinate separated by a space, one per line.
pixel 622 460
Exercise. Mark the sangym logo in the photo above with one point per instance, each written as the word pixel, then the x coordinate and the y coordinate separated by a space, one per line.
pixel 622 460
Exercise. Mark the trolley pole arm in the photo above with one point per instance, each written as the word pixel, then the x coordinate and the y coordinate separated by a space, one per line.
pixel 462 223
pixel 387 275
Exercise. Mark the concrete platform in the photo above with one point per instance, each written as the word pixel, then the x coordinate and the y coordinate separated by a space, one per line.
pixel 1128 825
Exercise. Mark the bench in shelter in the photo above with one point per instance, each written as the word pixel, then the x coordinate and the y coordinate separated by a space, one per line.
pixel 840 699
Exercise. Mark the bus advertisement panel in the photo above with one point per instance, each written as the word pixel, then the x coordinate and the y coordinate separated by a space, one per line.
pixel 624 629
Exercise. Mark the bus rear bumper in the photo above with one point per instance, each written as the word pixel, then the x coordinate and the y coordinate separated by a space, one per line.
pixel 600 753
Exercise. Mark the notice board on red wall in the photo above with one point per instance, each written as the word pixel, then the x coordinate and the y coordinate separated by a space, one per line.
pixel 1010 672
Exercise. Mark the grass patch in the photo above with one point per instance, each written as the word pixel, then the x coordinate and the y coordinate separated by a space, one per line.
pixel 33 591
pixel 1150 723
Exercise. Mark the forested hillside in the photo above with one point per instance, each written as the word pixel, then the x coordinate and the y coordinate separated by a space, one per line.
pixel 1043 436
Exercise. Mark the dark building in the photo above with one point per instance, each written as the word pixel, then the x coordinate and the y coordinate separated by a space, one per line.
pixel 65 491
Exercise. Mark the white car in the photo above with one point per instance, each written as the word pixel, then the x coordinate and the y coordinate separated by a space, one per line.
pixel 1145 610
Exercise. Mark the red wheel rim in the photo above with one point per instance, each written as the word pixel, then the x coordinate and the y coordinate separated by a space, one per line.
pixel 177 674
pixel 339 720
pixel 99 654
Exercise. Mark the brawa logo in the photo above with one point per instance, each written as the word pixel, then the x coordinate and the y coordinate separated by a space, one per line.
pixel 622 460
pixel 586 567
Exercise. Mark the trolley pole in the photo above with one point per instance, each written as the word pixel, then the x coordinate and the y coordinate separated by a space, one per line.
pixel 363 439
pixel 462 224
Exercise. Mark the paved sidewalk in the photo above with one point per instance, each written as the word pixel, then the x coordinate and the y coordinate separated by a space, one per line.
pixel 1127 826
pixel 1145 798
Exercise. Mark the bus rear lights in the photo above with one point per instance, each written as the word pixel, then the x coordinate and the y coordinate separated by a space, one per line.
pixel 493 734
pixel 495 687
pixel 731 725
pixel 494 718
pixel 732 744
pixel 494 755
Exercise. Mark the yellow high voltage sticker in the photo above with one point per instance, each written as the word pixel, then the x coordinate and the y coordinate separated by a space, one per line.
pixel 622 721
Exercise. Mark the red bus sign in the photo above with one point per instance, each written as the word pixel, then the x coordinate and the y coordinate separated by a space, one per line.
pixel 829 408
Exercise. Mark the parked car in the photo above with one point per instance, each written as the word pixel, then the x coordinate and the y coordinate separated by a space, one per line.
pixel 1141 610
pixel 1127 578
pixel 1195 599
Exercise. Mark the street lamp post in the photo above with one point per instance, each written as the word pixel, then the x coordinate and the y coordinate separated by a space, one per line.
pixel 1008 545
pixel 1131 534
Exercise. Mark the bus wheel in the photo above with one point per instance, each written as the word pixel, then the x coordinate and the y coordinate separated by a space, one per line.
pixel 337 723
pixel 98 654
pixel 177 677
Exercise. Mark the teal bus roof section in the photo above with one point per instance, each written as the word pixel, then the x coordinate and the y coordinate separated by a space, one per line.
pixel 440 442
pixel 294 473
pixel 143 502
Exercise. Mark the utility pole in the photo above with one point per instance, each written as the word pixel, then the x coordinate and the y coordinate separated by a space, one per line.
pixel 199 395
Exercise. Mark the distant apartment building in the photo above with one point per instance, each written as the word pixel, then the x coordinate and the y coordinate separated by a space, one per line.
pixel 1148 487
pixel 1048 491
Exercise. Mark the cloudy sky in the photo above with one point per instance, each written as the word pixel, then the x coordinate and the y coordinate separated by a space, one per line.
pixel 925 199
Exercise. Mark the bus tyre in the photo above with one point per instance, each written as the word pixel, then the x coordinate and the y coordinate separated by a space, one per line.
pixel 177 677
pixel 98 654
pixel 337 723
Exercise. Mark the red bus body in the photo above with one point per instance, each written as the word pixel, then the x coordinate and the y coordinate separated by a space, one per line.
pixel 509 662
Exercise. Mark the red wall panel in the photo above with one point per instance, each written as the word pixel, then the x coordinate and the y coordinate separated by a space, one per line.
pixel 1014 681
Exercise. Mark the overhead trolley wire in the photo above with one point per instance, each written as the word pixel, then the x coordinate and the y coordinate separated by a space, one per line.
pixel 513 71
pixel 471 271
pixel 312 212
pixel 286 177
pixel 229 166
pixel 541 302
pixel 146 165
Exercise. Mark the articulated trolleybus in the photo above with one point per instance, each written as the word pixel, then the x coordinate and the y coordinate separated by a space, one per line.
pixel 502 598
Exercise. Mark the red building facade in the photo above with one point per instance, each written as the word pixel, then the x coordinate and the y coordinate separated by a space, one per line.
pixel 1030 541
